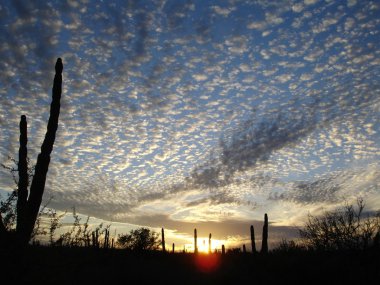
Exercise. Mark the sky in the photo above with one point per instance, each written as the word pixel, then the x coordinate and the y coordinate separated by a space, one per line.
pixel 207 114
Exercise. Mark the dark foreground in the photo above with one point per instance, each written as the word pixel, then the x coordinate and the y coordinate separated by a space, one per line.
pixel 44 265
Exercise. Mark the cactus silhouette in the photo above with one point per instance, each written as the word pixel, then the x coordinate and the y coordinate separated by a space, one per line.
pixel 106 238
pixel 264 245
pixel 223 249
pixel 173 247
pixel 22 191
pixel 195 241
pixel 209 243
pixel 95 238
pixel 163 239
pixel 244 249
pixel 253 244
pixel 28 206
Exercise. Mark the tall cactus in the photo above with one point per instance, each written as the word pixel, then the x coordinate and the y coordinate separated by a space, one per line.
pixel 22 191
pixel 173 247
pixel 195 241
pixel 28 207
pixel 106 238
pixel 163 239
pixel 223 249
pixel 209 243
pixel 244 249
pixel 253 243
pixel 264 245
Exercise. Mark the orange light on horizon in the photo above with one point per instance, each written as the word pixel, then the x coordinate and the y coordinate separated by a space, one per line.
pixel 207 262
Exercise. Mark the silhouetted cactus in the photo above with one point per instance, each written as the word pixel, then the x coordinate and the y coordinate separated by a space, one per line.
pixel 28 206
pixel 244 249
pixel 163 239
pixel 195 241
pixel 22 191
pixel 253 243
pixel 223 250
pixel 95 238
pixel 209 243
pixel 173 247
pixel 38 183
pixel 264 245
pixel 106 238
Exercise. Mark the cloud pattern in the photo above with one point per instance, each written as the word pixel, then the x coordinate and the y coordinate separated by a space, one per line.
pixel 197 111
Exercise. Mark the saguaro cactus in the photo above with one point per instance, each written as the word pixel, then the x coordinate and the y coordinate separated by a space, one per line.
pixel 28 207
pixel 106 238
pixel 264 245
pixel 163 239
pixel 43 160
pixel 244 249
pixel 95 238
pixel 22 191
pixel 253 244
pixel 209 243
pixel 173 247
pixel 195 241
pixel 223 249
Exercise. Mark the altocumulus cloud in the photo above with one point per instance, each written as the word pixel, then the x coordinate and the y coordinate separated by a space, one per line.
pixel 195 111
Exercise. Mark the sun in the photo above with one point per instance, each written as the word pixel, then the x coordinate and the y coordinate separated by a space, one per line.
pixel 203 246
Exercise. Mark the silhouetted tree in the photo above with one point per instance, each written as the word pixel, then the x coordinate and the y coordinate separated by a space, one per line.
pixel 264 244
pixel 139 240
pixel 27 206
pixel 341 229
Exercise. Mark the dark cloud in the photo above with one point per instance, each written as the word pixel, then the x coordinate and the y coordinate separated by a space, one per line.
pixel 323 190
pixel 331 188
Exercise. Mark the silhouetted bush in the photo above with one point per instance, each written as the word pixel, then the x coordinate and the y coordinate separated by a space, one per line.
pixel 139 240
pixel 343 229
pixel 289 246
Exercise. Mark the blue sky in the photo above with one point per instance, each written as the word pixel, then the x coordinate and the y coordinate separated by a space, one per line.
pixel 208 113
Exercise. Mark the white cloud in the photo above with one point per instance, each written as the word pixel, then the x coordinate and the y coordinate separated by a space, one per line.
pixel 200 77
pixel 351 3
pixel 298 7
pixel 310 2
pixel 222 11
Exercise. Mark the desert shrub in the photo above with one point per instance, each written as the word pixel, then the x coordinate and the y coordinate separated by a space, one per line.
pixel 346 228
pixel 139 240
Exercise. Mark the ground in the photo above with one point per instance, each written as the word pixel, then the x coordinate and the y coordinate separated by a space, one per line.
pixel 44 265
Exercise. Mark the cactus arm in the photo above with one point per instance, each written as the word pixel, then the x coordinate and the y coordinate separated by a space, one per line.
pixel 38 184
pixel 264 247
